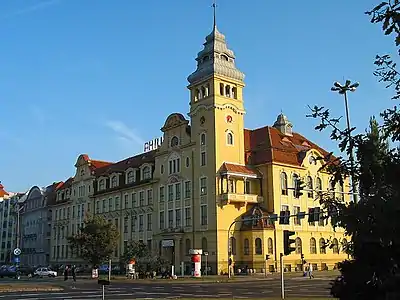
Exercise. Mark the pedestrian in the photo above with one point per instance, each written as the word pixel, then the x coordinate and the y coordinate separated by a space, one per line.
pixel 66 273
pixel 73 272
pixel 310 271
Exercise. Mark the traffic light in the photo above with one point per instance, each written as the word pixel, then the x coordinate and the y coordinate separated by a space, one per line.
pixel 230 261
pixel 266 256
pixel 284 217
pixel 317 214
pixel 298 188
pixel 302 256
pixel 287 242
pixel 311 215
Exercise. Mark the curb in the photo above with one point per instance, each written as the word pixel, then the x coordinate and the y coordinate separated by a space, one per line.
pixel 28 289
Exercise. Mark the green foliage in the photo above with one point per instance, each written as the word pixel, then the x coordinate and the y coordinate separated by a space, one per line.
pixel 373 223
pixel 145 260
pixel 96 240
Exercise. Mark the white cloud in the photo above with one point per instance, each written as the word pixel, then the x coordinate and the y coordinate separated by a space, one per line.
pixel 29 9
pixel 124 133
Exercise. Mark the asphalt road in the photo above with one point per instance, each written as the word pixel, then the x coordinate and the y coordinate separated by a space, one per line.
pixel 259 288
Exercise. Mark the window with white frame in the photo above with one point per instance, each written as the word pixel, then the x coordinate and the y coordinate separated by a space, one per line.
pixel 116 203
pixel 149 222
pixel 203 186
pixel 110 204
pixel 150 197
pixel 162 220
pixel 102 184
pixel 170 192
pixel 133 200
pixel 113 181
pixel 174 165
pixel 178 191
pixel 187 189
pixel 162 194
pixel 188 216
pixel 170 218
pixel 141 198
pixel 126 201
pixel 130 177
pixel 178 217
pixel 296 210
pixel 146 173
pixel 141 222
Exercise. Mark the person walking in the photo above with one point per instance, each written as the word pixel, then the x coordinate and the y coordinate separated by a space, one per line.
pixel 310 271
pixel 73 273
pixel 66 273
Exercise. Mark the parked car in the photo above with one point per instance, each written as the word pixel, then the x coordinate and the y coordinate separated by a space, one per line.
pixel 45 272
pixel 9 271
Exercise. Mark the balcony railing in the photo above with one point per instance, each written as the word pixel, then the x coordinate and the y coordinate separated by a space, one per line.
pixel 241 198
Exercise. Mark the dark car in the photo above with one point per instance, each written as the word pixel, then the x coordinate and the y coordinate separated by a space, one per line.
pixel 10 271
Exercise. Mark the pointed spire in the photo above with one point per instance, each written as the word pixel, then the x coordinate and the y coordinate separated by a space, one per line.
pixel 215 13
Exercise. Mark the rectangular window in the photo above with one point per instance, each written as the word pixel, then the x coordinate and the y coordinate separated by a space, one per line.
pixel 150 197
pixel 177 191
pixel 203 186
pixel 170 218
pixel 178 217
pixel 162 220
pixel 133 226
pixel 116 223
pixel 187 189
pixel 79 210
pixel 73 211
pixel 126 221
pixel 116 203
pixel 133 200
pixel 188 216
pixel 162 194
pixel 170 192
pixel 203 159
pixel 68 212
pixel 141 198
pixel 149 222
pixel 141 223
pixel 110 204
pixel 126 201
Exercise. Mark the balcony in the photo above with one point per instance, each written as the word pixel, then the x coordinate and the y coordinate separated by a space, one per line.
pixel 240 198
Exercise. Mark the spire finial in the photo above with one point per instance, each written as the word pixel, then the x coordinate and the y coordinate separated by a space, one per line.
pixel 215 13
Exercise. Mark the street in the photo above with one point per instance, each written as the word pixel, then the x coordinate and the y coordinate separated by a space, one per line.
pixel 259 288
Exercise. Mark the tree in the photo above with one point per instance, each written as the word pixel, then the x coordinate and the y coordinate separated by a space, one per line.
pixel 135 250
pixel 373 222
pixel 96 240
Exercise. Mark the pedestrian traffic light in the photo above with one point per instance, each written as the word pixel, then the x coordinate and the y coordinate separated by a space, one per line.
pixel 266 256
pixel 287 242
pixel 284 217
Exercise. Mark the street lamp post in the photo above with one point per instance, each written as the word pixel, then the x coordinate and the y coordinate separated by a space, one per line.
pixel 343 89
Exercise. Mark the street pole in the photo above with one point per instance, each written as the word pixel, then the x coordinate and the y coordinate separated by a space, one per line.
pixel 282 282
pixel 343 89
pixel 109 270
pixel 229 248
pixel 206 255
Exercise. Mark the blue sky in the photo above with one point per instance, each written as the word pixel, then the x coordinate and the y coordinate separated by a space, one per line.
pixel 100 77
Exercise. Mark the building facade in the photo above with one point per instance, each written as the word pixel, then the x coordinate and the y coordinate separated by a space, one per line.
pixel 209 172
pixel 36 225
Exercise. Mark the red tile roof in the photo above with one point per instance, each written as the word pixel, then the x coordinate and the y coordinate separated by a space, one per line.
pixel 268 144
pixel 131 162
pixel 3 191
pixel 65 185
pixel 237 169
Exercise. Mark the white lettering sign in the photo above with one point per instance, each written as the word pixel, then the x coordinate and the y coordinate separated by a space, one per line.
pixel 153 145
pixel 167 243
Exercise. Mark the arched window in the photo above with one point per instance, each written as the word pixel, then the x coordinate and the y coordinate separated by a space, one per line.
pixel 130 177
pixel 187 246
pixel 229 138
pixel 203 139
pixel 198 94
pixel 174 141
pixel 82 172
pixel 204 244
pixel 318 184
pixel 295 184
pixel 246 247
pixel 310 192
pixel 322 246
pixel 187 162
pixel 335 246
pixel 234 93
pixel 313 246
pixel 284 186
pixel 270 246
pixel 102 184
pixel 345 245
pixel 298 246
pixel 233 245
pixel 341 190
pixel 258 246
pixel 146 173
pixel 114 181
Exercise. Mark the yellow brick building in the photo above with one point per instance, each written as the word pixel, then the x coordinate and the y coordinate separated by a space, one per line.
pixel 209 172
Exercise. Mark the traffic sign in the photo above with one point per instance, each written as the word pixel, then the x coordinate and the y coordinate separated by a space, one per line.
pixel 17 259
pixel 17 251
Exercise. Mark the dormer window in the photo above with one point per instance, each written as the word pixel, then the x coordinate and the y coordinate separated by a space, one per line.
pixel 146 173
pixel 174 141
pixel 113 181
pixel 82 172
pixel 130 177
pixel 102 184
